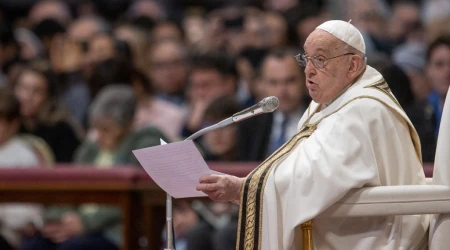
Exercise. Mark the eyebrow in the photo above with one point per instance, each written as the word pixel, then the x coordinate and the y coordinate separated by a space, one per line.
pixel 317 50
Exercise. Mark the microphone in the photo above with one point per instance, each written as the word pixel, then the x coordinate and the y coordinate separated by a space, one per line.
pixel 267 105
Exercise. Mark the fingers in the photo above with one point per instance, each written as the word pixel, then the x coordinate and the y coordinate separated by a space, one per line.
pixel 205 187
pixel 209 178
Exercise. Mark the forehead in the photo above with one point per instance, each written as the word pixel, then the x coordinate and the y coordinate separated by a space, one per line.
pixel 320 41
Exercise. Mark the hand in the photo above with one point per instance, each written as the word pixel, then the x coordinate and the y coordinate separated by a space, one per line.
pixel 69 226
pixel 221 187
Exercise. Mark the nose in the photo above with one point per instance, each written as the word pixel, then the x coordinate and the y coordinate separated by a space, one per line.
pixel 310 70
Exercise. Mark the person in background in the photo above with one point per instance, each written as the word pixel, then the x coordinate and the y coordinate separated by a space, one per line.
pixel 41 112
pixel 153 111
pixel 247 65
pixel 281 77
pixel 50 9
pixel 221 144
pixel 92 226
pixel 168 61
pixel 111 71
pixel 111 117
pixel 418 113
pixel 80 32
pixel 276 30
pixel 138 40
pixel 167 30
pixel 438 71
pixel 213 74
pixel 15 220
pixel 103 47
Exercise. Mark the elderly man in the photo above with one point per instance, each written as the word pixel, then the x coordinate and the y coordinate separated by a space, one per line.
pixel 353 134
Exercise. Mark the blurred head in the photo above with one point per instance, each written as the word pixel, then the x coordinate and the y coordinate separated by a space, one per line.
pixel 276 30
pixel 138 40
pixel 50 9
pixel 327 83
pixel 308 19
pixel 369 16
pixel 111 71
pixel 438 65
pixel 212 75
pixel 111 115
pixel 84 28
pixel 9 115
pixel 222 142
pixel 281 76
pixel 35 89
pixel 102 47
pixel 168 66
pixel 280 5
pixel 147 8
pixel 167 30
pixel 405 17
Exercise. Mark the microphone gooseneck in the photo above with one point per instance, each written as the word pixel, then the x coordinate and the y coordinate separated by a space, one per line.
pixel 268 104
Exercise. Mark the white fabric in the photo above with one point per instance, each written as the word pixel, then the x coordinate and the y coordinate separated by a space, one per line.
pixel 440 224
pixel 364 143
pixel 16 153
pixel 391 200
pixel 14 216
pixel 346 32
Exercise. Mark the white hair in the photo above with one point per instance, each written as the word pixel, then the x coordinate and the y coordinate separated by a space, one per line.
pixel 116 102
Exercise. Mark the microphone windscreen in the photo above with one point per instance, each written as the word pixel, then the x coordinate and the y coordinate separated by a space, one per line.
pixel 269 104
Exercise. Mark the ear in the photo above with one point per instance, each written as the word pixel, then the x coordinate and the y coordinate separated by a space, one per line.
pixel 356 63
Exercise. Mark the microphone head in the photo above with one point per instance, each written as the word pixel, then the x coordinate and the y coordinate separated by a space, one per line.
pixel 269 104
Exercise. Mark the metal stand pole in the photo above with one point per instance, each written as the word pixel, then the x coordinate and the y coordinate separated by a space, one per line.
pixel 169 219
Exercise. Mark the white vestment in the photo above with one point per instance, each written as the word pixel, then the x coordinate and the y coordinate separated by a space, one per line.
pixel 363 138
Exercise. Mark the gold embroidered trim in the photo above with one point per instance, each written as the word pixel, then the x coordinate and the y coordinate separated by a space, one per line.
pixel 383 87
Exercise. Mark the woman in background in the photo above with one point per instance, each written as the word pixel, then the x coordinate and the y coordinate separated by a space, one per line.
pixel 41 112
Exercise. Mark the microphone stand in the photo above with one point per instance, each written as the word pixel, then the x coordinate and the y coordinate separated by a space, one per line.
pixel 169 218
pixel 268 104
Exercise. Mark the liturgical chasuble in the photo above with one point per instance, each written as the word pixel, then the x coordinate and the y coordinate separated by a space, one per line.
pixel 363 138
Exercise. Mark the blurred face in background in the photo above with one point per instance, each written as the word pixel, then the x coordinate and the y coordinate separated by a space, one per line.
pixel 101 48
pixel 404 18
pixel 276 30
pixel 207 84
pixel 166 31
pixel 438 69
pixel 283 78
pixel 109 133
pixel 222 142
pixel 31 90
pixel 168 67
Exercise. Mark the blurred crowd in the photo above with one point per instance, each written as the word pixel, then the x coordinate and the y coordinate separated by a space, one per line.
pixel 89 81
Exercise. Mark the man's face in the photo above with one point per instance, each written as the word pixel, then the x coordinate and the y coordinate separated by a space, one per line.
pixel 168 68
pixel 326 83
pixel 207 84
pixel 439 69
pixel 282 77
